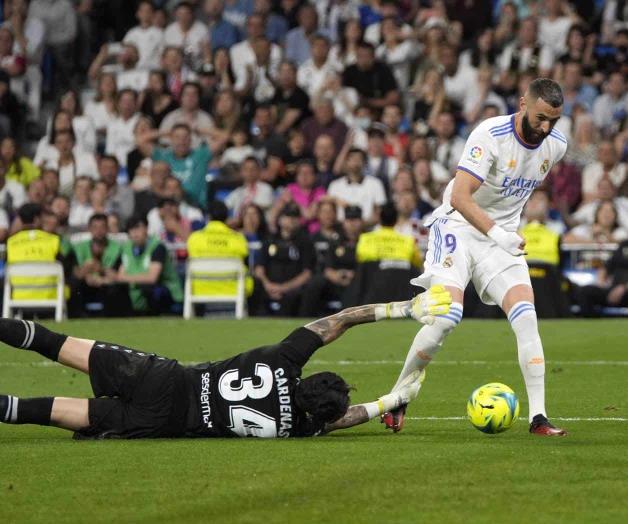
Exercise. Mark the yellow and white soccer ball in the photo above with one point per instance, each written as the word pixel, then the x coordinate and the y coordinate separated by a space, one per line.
pixel 493 408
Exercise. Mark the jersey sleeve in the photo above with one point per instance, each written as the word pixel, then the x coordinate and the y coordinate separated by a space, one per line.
pixel 300 345
pixel 478 154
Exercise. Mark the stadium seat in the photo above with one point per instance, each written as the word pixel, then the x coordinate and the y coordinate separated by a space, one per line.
pixel 35 269
pixel 216 269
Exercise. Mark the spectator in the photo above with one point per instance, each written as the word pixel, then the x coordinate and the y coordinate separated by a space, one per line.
pixel 239 149
pixel 276 25
pixel 606 192
pixel 610 110
pixel 582 150
pixel 217 240
pixel 11 62
pixel 579 49
pixel 243 55
pixel 125 68
pixel 373 80
pixel 50 178
pixel 269 146
pixel 329 227
pixel 343 54
pixel 221 62
pixel 148 198
pixel 345 99
pixel 290 101
pixel 396 50
pixel 554 26
pixel 120 199
pixel 139 159
pixel 612 285
pixel 525 53
pixel 447 146
pixel 305 194
pixel 564 183
pixel 323 122
pixel 120 139
pixel 174 190
pixel 254 230
pixel 334 283
pixel 186 33
pixel 286 265
pixel 253 190
pixel 354 188
pixel 60 20
pixel 408 222
pixel 298 40
pixel 146 37
pixel 604 230
pixel 19 168
pixel 96 262
pixel 158 102
pixel 378 164
pixel 429 98
pixel 176 69
pixel 166 222
pixel 188 164
pixel 190 114
pixel 81 209
pixel 102 109
pixel 314 72
pixel 83 129
pixel 12 194
pixel 147 269
pixel 259 82
pixel 575 90
pixel 607 166
pixel 222 34
pixel 36 193
pixel 428 188
pixel 324 154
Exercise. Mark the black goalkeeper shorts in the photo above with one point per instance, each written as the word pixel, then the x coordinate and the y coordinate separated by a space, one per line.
pixel 141 395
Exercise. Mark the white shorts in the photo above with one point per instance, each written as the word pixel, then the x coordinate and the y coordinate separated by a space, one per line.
pixel 457 254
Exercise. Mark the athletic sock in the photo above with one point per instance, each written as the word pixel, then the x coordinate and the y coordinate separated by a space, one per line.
pixel 522 318
pixel 428 341
pixel 14 410
pixel 25 334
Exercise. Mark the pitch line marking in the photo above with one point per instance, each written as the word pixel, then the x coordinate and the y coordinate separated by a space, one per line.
pixel 47 363
pixel 567 419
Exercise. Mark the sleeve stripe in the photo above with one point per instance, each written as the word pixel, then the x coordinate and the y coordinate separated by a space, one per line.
pixel 461 168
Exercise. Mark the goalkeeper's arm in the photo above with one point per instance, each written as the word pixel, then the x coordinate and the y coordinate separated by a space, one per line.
pixel 423 307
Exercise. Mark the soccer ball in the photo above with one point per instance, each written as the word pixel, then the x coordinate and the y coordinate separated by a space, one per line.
pixel 493 408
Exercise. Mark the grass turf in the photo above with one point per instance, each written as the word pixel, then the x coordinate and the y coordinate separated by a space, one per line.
pixel 435 469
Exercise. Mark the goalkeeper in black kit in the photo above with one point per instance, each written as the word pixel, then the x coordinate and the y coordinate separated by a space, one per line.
pixel 259 393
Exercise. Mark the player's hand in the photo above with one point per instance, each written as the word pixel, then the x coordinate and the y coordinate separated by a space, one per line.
pixel 434 301
pixel 509 241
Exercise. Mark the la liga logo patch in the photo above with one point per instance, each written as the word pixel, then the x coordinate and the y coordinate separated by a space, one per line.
pixel 475 154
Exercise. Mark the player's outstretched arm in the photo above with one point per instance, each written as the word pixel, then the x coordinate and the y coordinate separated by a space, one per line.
pixel 423 307
pixel 361 413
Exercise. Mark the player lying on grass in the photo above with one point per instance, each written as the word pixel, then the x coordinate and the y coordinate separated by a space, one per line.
pixel 257 393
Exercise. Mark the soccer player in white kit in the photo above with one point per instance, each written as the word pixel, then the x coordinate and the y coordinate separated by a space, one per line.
pixel 473 236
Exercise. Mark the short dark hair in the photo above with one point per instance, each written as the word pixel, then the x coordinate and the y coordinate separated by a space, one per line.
pixel 97 217
pixel 28 213
pixel 388 215
pixel 366 45
pixel 134 221
pixel 217 210
pixel 111 158
pixel 181 125
pixel 547 90
pixel 323 396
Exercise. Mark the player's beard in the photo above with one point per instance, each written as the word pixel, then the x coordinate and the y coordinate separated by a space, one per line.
pixel 530 135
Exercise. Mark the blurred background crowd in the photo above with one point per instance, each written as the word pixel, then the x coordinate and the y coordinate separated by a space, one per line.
pixel 311 139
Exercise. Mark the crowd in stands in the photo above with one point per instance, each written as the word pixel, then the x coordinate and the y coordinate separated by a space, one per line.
pixel 311 139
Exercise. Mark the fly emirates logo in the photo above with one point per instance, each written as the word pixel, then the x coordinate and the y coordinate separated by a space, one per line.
pixel 518 187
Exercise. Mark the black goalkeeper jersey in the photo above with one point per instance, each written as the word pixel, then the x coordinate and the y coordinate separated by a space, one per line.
pixel 251 394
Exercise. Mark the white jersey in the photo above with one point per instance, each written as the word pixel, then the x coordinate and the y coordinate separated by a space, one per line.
pixel 508 168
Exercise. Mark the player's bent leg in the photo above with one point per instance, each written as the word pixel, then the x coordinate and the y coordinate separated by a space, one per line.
pixel 424 347
pixel 66 413
pixel 75 353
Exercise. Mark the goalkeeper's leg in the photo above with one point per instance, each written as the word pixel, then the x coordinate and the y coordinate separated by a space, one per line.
pixel 31 336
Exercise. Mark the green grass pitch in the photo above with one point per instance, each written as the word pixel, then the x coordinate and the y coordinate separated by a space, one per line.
pixel 439 469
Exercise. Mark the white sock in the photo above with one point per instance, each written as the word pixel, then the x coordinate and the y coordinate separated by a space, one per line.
pixel 522 318
pixel 428 341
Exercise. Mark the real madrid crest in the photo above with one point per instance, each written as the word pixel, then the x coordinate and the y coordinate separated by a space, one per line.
pixel 448 262
pixel 544 166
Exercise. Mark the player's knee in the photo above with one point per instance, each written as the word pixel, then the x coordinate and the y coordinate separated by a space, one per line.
pixel 444 324
pixel 522 318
